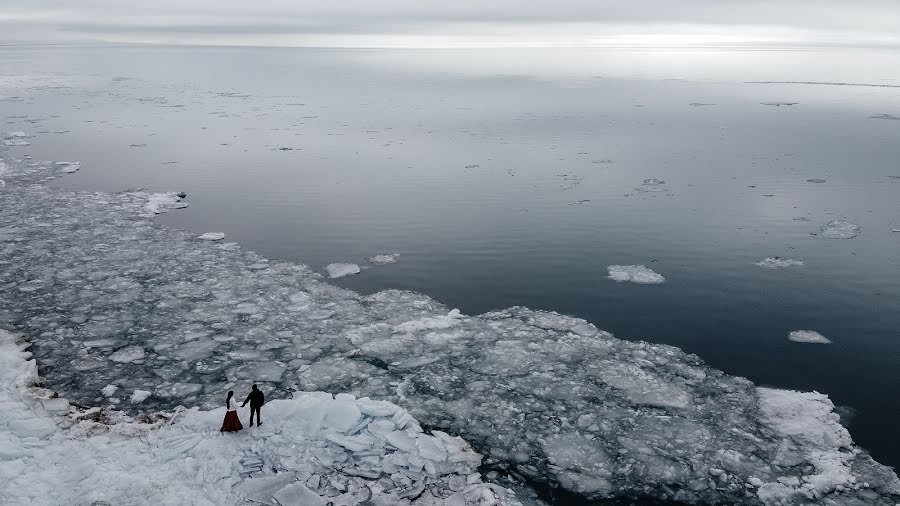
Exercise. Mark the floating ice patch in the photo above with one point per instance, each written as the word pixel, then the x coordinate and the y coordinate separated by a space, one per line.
pixel 139 396
pixel 16 142
pixel 68 167
pixel 339 270
pixel 17 135
pixel 885 116
pixel 635 274
pixel 778 263
pixel 128 354
pixel 211 236
pixel 109 390
pixel 808 336
pixel 652 185
pixel 384 258
pixel 839 229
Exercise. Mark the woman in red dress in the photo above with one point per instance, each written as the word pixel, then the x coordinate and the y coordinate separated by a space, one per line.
pixel 231 423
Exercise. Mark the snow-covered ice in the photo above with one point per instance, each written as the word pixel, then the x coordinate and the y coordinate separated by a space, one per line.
pixel 808 336
pixel 386 258
pixel 636 274
pixel 313 449
pixel 338 270
pixel 211 236
pixel 544 397
pixel 778 263
pixel 839 229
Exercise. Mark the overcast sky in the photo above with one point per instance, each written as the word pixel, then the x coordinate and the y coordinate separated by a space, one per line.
pixel 425 23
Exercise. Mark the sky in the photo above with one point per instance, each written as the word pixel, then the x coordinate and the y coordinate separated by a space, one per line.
pixel 455 23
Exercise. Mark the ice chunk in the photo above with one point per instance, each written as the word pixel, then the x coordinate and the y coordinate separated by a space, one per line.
pixel 808 336
pixel 128 354
pixel 297 493
pixel 433 323
pixel 16 142
pixel 211 236
pixel 778 263
pixel 69 167
pixel 139 395
pixel 338 270
pixel 158 203
pixel 839 229
pixel 384 258
pixel 635 274
pixel 342 416
pixel 109 390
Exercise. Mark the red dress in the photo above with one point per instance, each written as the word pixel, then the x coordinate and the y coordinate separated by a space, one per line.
pixel 231 423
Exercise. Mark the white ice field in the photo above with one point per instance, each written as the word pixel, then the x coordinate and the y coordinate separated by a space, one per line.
pixel 115 303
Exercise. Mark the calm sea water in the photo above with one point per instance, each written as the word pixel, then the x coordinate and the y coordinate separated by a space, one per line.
pixel 510 177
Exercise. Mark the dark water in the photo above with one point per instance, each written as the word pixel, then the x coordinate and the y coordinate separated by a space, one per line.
pixel 508 177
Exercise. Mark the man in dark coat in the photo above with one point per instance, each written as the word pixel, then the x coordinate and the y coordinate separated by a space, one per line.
pixel 256 400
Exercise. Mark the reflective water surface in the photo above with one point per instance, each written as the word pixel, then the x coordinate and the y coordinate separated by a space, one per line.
pixel 515 177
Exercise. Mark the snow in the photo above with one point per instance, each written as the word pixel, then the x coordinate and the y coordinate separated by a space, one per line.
pixel 808 336
pixel 211 236
pixel 339 270
pixel 635 274
pixel 544 396
pixel 839 229
pixel 54 453
pixel 383 259
pixel 778 263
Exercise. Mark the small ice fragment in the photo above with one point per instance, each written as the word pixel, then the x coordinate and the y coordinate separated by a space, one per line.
pixel 16 142
pixel 778 262
pixel 635 274
pixel 839 229
pixel 139 396
pixel 69 167
pixel 17 134
pixel 128 354
pixel 387 258
pixel 109 390
pixel 211 236
pixel 808 336
pixel 339 270
pixel 885 116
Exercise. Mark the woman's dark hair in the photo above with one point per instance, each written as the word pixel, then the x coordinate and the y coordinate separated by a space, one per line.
pixel 230 395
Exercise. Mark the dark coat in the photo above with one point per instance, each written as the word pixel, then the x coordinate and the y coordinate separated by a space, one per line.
pixel 256 399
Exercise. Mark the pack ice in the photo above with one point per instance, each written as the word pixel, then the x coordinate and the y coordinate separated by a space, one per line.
pixel 314 450
pixel 546 398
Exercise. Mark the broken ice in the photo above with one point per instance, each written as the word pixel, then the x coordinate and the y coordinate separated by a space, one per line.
pixel 383 258
pixel 545 397
pixel 635 274
pixel 778 263
pixel 839 229
pixel 339 270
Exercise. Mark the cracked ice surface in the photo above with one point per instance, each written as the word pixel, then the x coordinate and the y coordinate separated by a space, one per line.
pixel 313 450
pixel 546 397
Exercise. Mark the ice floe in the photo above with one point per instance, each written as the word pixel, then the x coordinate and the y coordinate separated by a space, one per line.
pixel 652 185
pixel 808 336
pixel 313 449
pixel 158 203
pixel 839 229
pixel 546 398
pixel 339 270
pixel 382 259
pixel 211 236
pixel 779 263
pixel 635 274
pixel 69 167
